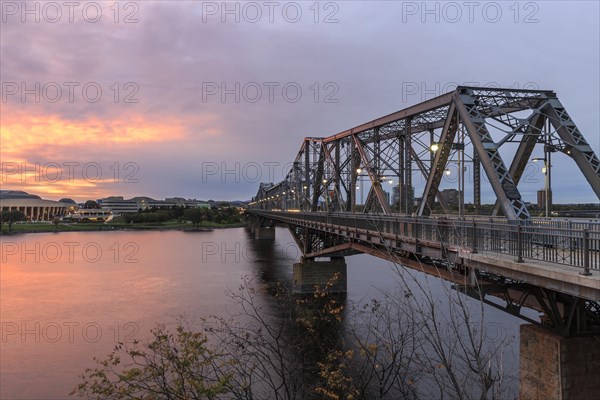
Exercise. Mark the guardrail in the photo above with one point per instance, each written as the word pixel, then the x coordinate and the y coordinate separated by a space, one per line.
pixel 573 243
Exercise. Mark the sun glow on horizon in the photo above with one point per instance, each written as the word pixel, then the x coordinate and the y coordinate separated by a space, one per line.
pixel 36 150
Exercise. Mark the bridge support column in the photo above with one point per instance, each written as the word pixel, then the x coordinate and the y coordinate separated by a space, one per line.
pixel 558 368
pixel 309 273
pixel 264 232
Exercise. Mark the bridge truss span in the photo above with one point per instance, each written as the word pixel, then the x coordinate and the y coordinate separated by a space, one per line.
pixel 466 127
pixel 547 264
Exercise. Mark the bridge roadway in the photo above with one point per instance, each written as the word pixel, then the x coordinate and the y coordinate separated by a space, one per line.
pixel 560 255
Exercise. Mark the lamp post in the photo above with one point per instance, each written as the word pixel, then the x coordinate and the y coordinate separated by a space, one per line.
pixel 460 166
pixel 359 171
pixel 546 171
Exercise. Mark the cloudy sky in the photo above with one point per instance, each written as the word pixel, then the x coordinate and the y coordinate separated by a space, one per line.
pixel 206 99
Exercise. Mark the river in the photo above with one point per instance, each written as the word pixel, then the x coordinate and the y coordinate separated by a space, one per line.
pixel 68 297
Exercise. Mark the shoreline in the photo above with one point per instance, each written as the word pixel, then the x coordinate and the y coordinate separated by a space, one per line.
pixel 118 228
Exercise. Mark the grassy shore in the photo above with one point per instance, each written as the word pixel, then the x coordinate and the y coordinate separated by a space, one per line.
pixel 109 226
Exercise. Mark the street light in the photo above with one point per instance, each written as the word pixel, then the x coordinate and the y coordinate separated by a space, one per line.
pixel 434 147
pixel 546 172
pixel 359 171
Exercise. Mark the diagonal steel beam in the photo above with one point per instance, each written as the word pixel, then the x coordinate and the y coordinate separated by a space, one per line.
pixel 441 158
pixel 504 187
pixel 526 146
pixel 318 177
pixel 420 108
pixel 374 179
pixel 581 152
pixel 334 163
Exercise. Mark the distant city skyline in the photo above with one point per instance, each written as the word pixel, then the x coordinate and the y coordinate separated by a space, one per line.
pixel 178 98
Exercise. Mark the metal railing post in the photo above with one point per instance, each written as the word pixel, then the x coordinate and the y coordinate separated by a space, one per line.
pixel 474 241
pixel 416 235
pixel 519 244
pixel 586 253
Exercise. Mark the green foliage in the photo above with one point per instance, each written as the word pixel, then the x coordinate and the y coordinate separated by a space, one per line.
pixel 310 346
pixel 10 217
pixel 55 222
pixel 195 215
pixel 276 357
pixel 171 366
pixel 263 359
pixel 148 217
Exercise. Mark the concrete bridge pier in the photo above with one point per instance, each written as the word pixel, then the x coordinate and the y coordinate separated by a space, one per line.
pixel 264 232
pixel 309 273
pixel 261 228
pixel 554 367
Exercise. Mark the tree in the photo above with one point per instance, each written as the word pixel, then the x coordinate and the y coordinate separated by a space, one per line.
pixel 257 358
pixel 3 217
pixel 56 221
pixel 402 346
pixel 194 215
pixel 209 215
pixel 10 217
pixel 171 366
pixel 276 357
pixel 91 205
pixel 178 211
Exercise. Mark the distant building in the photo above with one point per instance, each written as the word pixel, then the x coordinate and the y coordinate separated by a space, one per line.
pixel 402 201
pixel 71 204
pixel 118 205
pixel 387 196
pixel 91 214
pixel 450 196
pixel 541 199
pixel 34 207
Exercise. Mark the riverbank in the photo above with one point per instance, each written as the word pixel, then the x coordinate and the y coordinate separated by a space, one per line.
pixel 103 227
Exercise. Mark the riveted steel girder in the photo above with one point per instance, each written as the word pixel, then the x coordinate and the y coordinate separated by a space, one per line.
pixel 528 142
pixel 579 149
pixel 504 187
pixel 393 148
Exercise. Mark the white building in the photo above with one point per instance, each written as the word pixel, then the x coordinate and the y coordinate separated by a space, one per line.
pixel 34 207
pixel 91 214
pixel 118 205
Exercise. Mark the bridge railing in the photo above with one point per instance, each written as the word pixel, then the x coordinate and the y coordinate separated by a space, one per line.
pixel 578 247
pixel 572 243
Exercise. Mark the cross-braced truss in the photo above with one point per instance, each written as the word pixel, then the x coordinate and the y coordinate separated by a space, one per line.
pixel 469 124
pixel 423 142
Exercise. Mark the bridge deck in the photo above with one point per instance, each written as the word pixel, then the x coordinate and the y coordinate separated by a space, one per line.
pixel 562 278
pixel 547 254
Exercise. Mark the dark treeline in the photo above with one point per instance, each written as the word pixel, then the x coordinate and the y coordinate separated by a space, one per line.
pixel 224 215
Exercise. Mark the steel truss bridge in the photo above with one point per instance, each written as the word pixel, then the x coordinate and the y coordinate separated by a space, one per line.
pixel 509 259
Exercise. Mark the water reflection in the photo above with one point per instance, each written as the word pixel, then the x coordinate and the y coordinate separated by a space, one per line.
pixel 58 315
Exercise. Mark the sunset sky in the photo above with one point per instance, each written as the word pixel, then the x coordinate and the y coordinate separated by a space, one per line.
pixel 162 125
